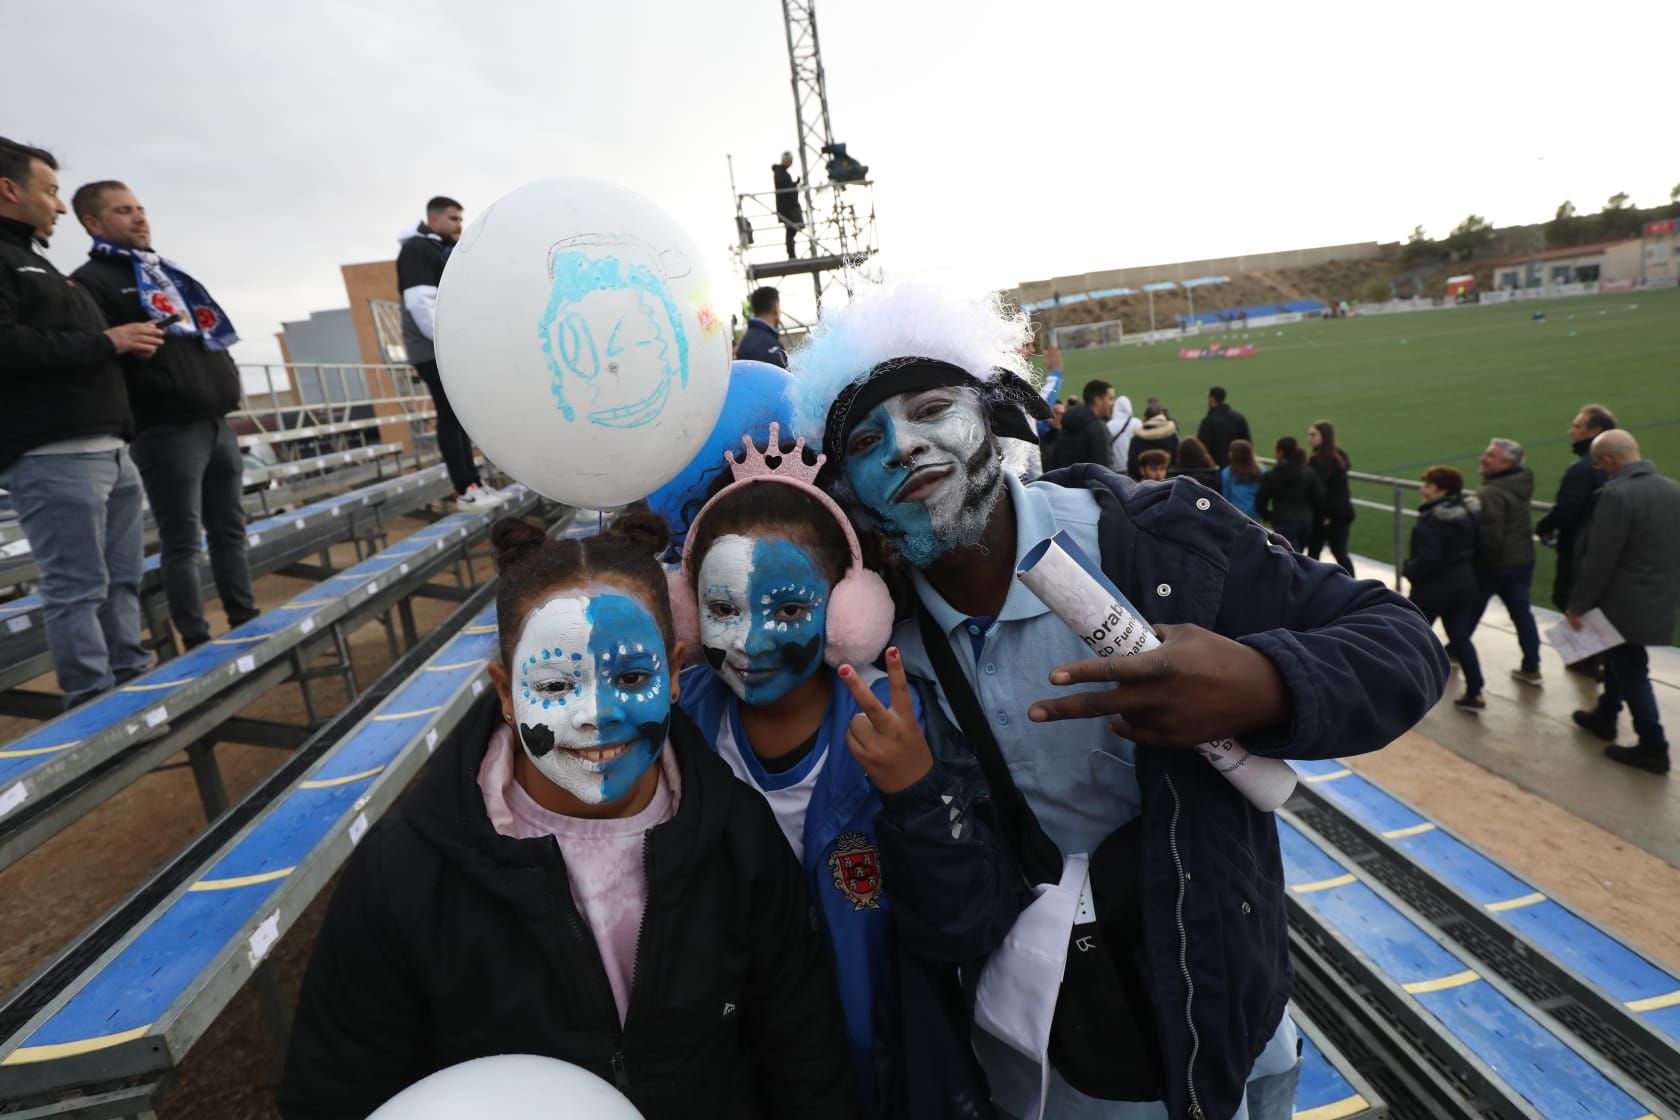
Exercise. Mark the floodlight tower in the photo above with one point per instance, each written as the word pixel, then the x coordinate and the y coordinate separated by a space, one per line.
pixel 838 235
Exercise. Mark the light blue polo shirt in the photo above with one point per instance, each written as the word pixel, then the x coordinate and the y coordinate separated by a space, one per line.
pixel 1078 776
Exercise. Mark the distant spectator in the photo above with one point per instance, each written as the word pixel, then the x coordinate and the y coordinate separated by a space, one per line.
pixel 1331 527
pixel 1627 570
pixel 1123 424
pixel 1084 437
pixel 1441 569
pixel 64 426
pixel 1153 464
pixel 1239 480
pixel 1158 432
pixel 788 209
pixel 188 455
pixel 1506 565
pixel 1290 495
pixel 1195 462
pixel 1575 492
pixel 762 341
pixel 425 250
pixel 1221 425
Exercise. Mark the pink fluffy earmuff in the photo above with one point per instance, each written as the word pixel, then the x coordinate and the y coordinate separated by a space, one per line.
pixel 860 608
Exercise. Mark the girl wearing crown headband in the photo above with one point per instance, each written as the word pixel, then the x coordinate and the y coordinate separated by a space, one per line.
pixel 788 620
pixel 577 875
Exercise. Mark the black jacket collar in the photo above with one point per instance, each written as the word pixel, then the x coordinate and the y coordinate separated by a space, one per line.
pixel 20 233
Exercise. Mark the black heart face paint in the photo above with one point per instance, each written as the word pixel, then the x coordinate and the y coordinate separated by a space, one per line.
pixel 763 615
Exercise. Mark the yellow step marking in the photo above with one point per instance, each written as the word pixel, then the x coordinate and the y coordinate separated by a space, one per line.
pixel 453 666
pixel 151 687
pixel 1322 884
pixel 388 716
pixel 1414 830
pixel 231 641
pixel 1330 777
pixel 1655 1003
pixel 240 880
pixel 328 783
pixel 26 1054
pixel 1516 903
pixel 30 752
pixel 489 629
pixel 1442 983
pixel 1336 1110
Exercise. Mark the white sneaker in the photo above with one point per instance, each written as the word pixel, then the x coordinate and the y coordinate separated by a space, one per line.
pixel 477 500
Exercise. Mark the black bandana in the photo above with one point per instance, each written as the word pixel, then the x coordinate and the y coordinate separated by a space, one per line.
pixel 1009 400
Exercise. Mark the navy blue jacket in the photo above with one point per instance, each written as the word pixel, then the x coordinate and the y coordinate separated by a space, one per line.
pixel 761 343
pixel 1570 510
pixel 1361 666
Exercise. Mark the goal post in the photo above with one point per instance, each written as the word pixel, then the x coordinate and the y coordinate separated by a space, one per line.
pixel 1083 336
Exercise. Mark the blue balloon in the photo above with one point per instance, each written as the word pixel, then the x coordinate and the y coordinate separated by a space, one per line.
pixel 758 393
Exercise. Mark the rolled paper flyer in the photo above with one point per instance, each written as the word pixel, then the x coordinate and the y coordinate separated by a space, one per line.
pixel 1065 580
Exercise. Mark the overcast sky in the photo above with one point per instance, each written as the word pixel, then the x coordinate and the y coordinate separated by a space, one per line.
pixel 273 141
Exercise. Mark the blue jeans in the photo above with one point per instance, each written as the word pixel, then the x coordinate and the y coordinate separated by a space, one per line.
pixel 1511 582
pixel 81 514
pixel 1627 680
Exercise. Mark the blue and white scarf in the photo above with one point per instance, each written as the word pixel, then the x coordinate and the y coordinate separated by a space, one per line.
pixel 165 289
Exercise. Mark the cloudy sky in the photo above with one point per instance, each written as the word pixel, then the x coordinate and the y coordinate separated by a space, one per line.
pixel 272 142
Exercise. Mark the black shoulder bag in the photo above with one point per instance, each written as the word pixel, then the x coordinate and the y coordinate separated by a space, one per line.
pixel 1102 1039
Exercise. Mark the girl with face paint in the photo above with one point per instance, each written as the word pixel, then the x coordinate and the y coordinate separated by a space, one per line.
pixel 764 562
pixel 577 875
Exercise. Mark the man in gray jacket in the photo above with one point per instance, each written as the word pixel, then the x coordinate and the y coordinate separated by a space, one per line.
pixel 1506 564
pixel 1627 569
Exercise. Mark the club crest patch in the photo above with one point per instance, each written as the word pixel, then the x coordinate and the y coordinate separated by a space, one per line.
pixel 857 870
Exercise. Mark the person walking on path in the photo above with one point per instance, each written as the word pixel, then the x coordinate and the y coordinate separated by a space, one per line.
pixel 64 428
pixel 1506 565
pixel 787 202
pixel 1239 480
pixel 187 453
pixel 425 250
pixel 1290 496
pixel 1085 437
pixel 1575 491
pixel 1331 527
pixel 1441 569
pixel 1627 570
pixel 1159 432
pixel 1221 425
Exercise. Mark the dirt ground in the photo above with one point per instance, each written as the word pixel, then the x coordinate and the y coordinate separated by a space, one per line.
pixel 68 882
pixel 230 1075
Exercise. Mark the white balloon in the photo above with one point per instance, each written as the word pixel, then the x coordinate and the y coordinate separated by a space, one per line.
pixel 577 341
pixel 509 1087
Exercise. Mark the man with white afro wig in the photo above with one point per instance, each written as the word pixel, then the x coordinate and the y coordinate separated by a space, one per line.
pixel 907 389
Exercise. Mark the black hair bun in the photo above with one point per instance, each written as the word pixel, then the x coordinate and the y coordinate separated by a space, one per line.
pixel 513 540
pixel 642 527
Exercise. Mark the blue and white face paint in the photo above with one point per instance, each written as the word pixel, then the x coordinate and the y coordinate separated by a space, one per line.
pixel 763 615
pixel 925 466
pixel 592 692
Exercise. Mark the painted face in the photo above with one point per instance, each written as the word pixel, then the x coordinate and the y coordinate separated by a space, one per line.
pixel 592 692
pixel 763 615
pixel 925 465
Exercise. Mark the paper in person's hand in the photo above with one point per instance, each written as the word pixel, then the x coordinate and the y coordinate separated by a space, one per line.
pixel 1594 637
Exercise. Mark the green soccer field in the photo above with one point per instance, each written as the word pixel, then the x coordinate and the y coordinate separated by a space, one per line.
pixel 1410 390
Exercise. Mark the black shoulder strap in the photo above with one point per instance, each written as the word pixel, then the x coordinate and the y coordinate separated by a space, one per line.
pixel 1039 856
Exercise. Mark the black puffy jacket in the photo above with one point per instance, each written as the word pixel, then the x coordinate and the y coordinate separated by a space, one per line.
pixel 1441 563
pixel 447 941
pixel 1338 503
pixel 59 374
pixel 1084 439
pixel 183 381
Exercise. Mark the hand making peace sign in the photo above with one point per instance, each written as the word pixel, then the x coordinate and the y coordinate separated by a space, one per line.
pixel 887 742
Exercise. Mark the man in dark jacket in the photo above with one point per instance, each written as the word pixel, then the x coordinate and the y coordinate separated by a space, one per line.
pixel 1220 426
pixel 787 201
pixel 64 423
pixel 1084 434
pixel 1292 657
pixel 448 940
pixel 188 455
pixel 762 340
pixel 1506 565
pixel 1562 526
pixel 1627 570
pixel 425 250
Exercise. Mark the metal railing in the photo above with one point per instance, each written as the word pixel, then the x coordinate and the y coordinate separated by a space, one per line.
pixel 293 408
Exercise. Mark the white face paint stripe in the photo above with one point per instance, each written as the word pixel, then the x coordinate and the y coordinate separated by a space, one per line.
pixel 726 574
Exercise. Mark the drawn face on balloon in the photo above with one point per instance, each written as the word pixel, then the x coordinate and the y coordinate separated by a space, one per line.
pixel 612 334
pixel 763 615
pixel 592 691
pixel 924 466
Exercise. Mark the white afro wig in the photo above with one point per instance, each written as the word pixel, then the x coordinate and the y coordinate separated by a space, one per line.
pixel 913 317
